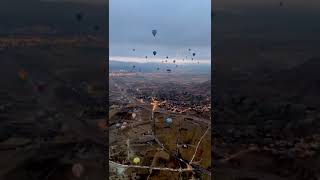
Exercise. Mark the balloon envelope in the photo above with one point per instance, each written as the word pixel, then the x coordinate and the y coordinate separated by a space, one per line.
pixel 136 160
pixel 79 16
pixel 154 53
pixel 169 121
pixel 22 75
pixel 77 170
pixel 96 28
pixel 154 32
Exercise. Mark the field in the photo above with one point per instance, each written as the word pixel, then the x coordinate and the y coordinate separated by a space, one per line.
pixel 140 104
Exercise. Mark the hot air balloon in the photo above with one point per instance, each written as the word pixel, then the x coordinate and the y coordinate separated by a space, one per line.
pixel 174 61
pixel 189 49
pixel 193 54
pixel 77 170
pixel 154 53
pixel 118 125
pixel 158 69
pixel 166 61
pixel 133 49
pixel 41 87
pixel 169 121
pixel 79 16
pixel 22 74
pixel 134 115
pixel 167 57
pixel 154 32
pixel 168 70
pixel 146 57
pixel 96 28
pixel 136 160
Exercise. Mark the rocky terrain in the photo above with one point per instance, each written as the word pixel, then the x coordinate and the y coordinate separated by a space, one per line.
pixel 267 123
pixel 168 148
pixel 51 95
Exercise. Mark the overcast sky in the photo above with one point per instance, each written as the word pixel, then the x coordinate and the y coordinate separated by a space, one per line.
pixel 181 24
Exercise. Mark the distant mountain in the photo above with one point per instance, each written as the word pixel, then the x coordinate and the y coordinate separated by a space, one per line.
pixel 116 66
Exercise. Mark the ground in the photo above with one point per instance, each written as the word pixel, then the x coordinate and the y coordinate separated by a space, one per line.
pixel 168 145
pixel 42 127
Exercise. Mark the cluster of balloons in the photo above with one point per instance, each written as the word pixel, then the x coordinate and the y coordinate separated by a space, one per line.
pixel 79 16
pixel 154 33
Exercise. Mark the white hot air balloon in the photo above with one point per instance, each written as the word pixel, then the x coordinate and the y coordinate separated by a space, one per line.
pixel 134 115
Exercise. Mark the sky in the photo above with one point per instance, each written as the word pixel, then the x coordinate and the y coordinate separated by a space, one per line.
pixel 180 25
pixel 80 1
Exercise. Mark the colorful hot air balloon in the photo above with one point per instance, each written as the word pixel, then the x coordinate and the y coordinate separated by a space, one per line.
pixel 22 74
pixel 154 53
pixel 136 160
pixel 41 87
